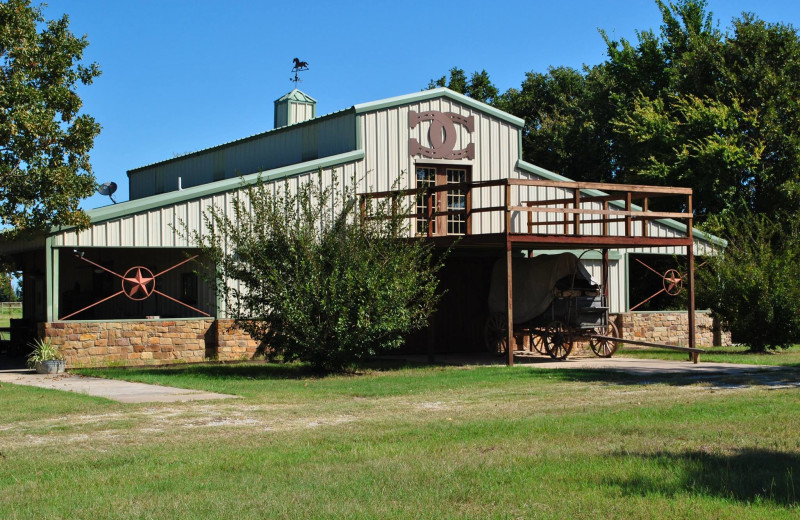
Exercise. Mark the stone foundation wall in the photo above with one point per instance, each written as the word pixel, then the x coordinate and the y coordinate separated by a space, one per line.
pixel 672 328
pixel 148 342
pixel 233 343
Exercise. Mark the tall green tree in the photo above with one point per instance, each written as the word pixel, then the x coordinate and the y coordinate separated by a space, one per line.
pixel 561 133
pixel 44 139
pixel 714 111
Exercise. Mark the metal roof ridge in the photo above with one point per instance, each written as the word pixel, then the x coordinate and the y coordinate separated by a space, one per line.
pixel 423 95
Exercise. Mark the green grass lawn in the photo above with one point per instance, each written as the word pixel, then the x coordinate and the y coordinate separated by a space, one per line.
pixel 405 442
pixel 5 319
pixel 735 354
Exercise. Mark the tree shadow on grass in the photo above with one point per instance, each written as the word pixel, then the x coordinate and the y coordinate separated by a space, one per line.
pixel 772 378
pixel 746 475
pixel 250 370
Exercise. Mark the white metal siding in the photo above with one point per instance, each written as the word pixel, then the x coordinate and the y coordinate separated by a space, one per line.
pixel 163 226
pixel 385 136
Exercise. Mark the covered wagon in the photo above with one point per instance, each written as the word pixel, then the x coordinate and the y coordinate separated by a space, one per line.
pixel 556 303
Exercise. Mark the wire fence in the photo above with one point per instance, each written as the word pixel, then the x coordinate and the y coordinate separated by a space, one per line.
pixel 10 307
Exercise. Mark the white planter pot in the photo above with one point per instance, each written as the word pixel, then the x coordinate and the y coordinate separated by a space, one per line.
pixel 54 366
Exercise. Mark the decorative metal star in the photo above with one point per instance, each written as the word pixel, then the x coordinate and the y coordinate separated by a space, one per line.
pixel 137 283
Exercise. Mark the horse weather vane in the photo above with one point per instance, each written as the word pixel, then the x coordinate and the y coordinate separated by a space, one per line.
pixel 299 66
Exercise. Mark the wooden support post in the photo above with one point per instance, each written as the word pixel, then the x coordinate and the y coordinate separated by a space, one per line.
pixel 508 209
pixel 628 216
pixel 566 218
pixel 576 218
pixel 509 304
pixel 362 207
pixel 605 218
pixel 604 276
pixel 645 223
pixel 690 251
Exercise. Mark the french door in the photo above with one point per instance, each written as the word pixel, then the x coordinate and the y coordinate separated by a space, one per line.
pixel 454 199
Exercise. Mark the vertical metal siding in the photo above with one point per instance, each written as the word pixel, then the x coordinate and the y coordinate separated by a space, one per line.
pixel 615 291
pixel 386 134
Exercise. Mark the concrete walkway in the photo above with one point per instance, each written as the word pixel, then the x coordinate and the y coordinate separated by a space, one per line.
pixel 122 391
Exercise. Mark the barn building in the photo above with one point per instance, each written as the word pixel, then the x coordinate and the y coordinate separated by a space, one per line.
pixel 122 291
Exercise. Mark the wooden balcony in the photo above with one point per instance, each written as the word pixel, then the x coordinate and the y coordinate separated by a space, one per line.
pixel 592 214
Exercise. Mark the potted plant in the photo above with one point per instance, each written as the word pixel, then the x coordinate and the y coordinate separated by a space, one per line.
pixel 45 357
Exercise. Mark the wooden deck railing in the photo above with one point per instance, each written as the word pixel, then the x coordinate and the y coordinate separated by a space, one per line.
pixel 573 213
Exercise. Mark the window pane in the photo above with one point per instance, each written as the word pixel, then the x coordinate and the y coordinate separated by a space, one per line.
pixel 456 200
pixel 425 177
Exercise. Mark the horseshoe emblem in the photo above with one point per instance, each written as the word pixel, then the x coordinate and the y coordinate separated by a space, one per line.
pixel 441 135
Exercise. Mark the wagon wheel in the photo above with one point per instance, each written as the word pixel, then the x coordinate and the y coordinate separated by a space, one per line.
pixel 537 341
pixel 558 341
pixel 605 348
pixel 495 333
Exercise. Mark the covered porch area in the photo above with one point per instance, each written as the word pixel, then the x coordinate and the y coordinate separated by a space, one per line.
pixel 509 218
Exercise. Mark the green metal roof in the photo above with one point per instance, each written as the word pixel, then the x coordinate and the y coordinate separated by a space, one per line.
pixel 296 95
pixel 172 197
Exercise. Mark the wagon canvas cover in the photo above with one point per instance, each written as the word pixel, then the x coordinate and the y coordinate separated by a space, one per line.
pixel 533 282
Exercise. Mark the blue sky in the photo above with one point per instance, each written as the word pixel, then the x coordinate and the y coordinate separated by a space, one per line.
pixel 180 76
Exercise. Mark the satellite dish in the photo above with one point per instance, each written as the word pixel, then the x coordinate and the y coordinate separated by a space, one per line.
pixel 108 189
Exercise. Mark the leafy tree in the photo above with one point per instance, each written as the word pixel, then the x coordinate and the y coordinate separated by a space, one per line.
pixel 716 112
pixel 686 105
pixel 44 141
pixel 313 280
pixel 754 285
pixel 560 112
pixel 7 293
pixel 479 86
